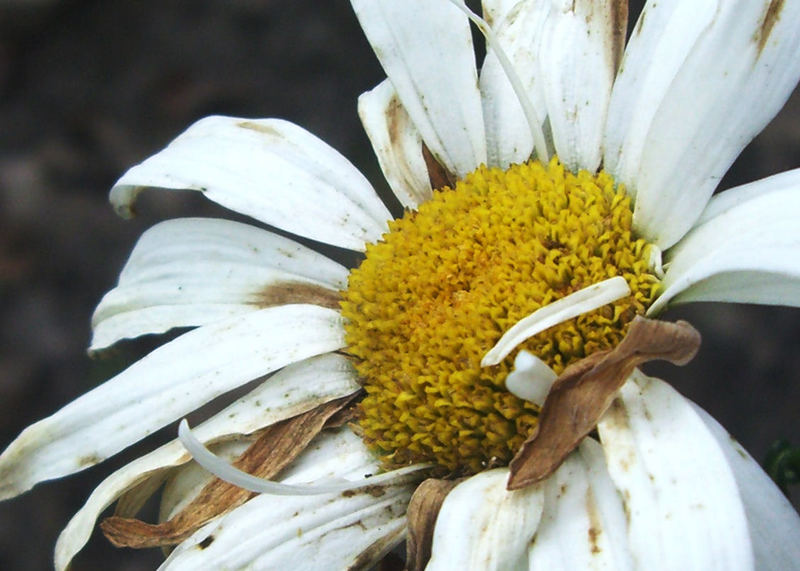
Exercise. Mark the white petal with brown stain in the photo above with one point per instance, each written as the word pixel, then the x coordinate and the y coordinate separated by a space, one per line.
pixel 293 390
pixel 165 385
pixel 583 525
pixel 699 81
pixel 426 50
pixel 269 169
pixel 773 523
pixel 482 526
pixel 397 144
pixel 194 271
pixel 583 42
pixel 326 531
pixel 661 458
pixel 744 250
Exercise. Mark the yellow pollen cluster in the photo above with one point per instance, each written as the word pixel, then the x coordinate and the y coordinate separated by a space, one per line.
pixel 441 288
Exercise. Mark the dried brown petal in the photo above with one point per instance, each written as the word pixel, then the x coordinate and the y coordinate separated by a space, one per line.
pixel 585 390
pixel 422 513
pixel 438 174
pixel 276 447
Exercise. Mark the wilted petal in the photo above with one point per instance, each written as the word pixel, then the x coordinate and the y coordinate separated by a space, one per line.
pixel 745 249
pixel 662 458
pixel 193 271
pixel 271 170
pixel 397 144
pixel 163 386
pixel 426 50
pixel 482 526
pixel 293 390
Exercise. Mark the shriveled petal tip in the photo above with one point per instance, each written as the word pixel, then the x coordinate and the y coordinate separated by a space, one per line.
pixel 482 526
pixel 681 499
pixel 423 46
pixel 165 385
pixel 585 390
pixel 194 271
pixel 269 169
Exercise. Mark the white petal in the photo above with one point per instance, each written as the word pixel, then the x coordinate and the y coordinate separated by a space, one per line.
pixel 531 378
pixel 583 525
pixel 773 523
pixel 482 526
pixel 293 390
pixel 702 79
pixel 194 271
pixel 582 44
pixel 662 458
pixel 426 50
pixel 745 250
pixel 271 170
pixel 397 144
pixel 328 531
pixel 508 135
pixel 164 386
pixel 577 303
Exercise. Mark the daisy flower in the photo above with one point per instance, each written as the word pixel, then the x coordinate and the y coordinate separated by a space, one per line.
pixel 472 385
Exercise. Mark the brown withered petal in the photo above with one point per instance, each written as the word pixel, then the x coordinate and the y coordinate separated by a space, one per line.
pixel 276 447
pixel 423 510
pixel 585 390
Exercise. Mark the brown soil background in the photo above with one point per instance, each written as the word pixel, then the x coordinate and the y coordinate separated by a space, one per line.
pixel 89 88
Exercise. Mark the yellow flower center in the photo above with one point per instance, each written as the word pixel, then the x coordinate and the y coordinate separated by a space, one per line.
pixel 440 289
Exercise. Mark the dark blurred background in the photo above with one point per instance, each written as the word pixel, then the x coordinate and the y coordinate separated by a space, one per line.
pixel 89 88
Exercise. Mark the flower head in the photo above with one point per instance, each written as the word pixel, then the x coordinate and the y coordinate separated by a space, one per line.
pixel 495 328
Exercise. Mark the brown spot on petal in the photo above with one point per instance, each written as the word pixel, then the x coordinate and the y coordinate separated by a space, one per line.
pixel 619 28
pixel 771 16
pixel 422 513
pixel 276 447
pixel 296 292
pixel 438 175
pixel 265 129
pixel 585 390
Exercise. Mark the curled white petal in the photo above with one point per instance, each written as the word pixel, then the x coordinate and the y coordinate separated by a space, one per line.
pixel 578 303
pixel 223 469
